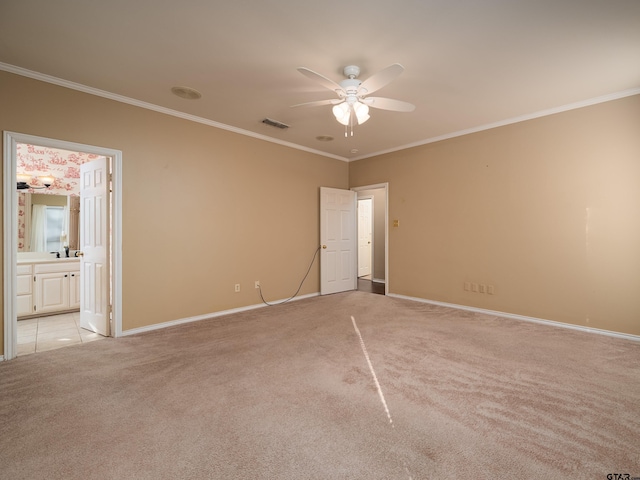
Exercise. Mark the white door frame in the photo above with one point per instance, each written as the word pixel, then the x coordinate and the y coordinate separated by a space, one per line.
pixel 10 223
pixel 386 227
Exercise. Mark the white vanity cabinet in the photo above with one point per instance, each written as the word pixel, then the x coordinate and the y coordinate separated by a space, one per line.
pixel 52 292
pixel 55 287
pixel 25 290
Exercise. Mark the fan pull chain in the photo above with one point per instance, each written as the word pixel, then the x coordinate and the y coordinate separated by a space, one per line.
pixel 352 115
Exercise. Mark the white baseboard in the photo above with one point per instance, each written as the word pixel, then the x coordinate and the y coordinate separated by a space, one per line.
pixel 1 358
pixel 172 323
pixel 379 280
pixel 513 316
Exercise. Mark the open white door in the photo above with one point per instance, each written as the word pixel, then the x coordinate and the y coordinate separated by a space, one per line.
pixel 365 236
pixel 94 244
pixel 338 261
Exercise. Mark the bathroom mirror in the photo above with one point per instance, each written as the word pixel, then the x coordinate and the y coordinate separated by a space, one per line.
pixel 47 223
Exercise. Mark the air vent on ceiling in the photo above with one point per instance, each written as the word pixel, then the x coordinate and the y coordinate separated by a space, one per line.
pixel 275 123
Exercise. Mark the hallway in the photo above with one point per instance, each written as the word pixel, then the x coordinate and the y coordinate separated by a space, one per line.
pixel 365 284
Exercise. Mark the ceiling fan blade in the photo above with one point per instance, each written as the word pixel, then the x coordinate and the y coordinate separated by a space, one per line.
pixel 380 79
pixel 319 103
pixel 321 79
pixel 389 104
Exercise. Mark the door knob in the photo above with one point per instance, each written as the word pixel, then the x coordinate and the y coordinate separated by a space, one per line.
pixel 324 246
pixel 79 254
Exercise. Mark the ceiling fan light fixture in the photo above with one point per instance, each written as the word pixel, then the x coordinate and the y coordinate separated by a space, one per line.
pixel 352 106
pixel 362 112
pixel 342 112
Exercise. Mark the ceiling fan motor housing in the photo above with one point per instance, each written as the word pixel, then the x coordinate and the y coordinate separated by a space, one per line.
pixel 350 85
pixel 351 71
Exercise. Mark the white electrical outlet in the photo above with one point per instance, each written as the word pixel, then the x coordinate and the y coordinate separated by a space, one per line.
pixel 257 283
pixel 237 287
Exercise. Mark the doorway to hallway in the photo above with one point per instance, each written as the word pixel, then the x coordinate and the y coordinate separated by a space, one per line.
pixel 372 221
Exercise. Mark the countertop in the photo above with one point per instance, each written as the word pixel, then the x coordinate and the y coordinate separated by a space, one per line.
pixel 52 259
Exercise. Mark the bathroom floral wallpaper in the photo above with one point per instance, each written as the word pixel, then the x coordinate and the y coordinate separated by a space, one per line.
pixel 36 161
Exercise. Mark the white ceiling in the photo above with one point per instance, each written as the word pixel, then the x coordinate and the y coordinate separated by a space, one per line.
pixel 469 63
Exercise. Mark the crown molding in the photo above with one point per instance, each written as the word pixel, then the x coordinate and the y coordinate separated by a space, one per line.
pixel 156 108
pixel 510 121
pixel 193 118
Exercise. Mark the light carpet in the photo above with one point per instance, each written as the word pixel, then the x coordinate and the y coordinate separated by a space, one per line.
pixel 288 392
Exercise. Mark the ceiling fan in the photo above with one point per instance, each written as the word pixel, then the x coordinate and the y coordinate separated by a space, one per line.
pixel 352 105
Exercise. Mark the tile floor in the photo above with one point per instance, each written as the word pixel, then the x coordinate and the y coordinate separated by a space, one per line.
pixel 55 331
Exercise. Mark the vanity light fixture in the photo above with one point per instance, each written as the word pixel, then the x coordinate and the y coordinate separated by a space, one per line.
pixel 24 179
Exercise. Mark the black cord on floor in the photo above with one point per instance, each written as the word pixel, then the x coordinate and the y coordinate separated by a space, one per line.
pixel 299 287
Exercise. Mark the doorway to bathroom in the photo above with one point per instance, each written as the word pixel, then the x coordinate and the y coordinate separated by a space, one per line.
pixel 98 282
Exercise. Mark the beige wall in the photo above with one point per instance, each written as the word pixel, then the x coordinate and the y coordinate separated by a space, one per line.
pixel 50 200
pixel 547 211
pixel 203 208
